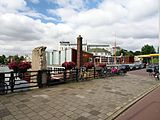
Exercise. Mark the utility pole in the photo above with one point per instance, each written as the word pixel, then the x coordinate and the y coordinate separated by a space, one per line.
pixel 115 60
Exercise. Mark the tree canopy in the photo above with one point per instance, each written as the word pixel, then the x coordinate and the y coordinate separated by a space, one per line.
pixel 6 60
pixel 147 49
pixel 124 52
pixel 3 59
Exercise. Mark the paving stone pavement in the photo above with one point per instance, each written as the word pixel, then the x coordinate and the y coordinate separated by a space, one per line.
pixel 91 100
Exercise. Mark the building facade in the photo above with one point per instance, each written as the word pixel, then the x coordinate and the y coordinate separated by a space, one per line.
pixel 85 47
pixel 101 53
pixel 67 45
pixel 56 58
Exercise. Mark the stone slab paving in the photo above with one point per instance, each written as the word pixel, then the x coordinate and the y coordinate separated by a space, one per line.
pixel 91 100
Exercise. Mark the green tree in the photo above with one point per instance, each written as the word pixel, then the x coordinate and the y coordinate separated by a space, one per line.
pixel 154 60
pixel 121 52
pixel 129 53
pixel 3 59
pixel 16 58
pixel 124 52
pixel 137 53
pixel 147 49
pixel 21 58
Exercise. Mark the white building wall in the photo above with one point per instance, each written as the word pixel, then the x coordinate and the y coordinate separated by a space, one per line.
pixel 62 59
pixel 55 58
pixel 58 57
pixel 47 58
pixel 66 55
pixel 69 55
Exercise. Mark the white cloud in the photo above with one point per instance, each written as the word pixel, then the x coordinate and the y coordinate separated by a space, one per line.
pixel 73 4
pixel 137 44
pixel 140 9
pixel 16 27
pixel 35 1
pixel 12 5
pixel 94 17
pixel 24 32
pixel 133 25
pixel 20 7
pixel 34 14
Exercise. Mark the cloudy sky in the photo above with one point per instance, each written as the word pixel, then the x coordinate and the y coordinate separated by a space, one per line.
pixel 26 24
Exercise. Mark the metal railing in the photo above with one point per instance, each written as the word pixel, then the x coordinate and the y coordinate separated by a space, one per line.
pixel 12 82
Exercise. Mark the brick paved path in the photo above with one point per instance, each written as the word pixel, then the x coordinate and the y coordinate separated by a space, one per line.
pixel 92 100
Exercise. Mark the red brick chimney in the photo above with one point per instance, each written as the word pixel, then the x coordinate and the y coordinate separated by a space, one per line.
pixel 79 52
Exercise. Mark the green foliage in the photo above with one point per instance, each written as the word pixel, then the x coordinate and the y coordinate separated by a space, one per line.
pixel 98 50
pixel 154 60
pixel 3 59
pixel 21 58
pixel 147 49
pixel 16 58
pixel 130 53
pixel 124 52
pixel 137 53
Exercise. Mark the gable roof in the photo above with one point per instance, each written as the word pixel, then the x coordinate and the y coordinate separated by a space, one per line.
pixel 98 50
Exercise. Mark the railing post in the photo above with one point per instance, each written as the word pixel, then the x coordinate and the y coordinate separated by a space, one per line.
pixel 94 72
pixel 12 81
pixel 48 77
pixel 39 78
pixel 77 74
pixel 2 86
pixel 64 75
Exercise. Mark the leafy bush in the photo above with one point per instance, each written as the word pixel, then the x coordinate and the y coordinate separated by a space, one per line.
pixel 88 65
pixel 103 65
pixel 114 70
pixel 68 65
pixel 13 65
pixel 19 66
pixel 23 66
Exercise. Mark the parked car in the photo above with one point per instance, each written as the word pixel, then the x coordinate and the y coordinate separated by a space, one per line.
pixel 142 65
pixel 137 65
pixel 152 68
pixel 132 66
pixel 124 67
